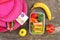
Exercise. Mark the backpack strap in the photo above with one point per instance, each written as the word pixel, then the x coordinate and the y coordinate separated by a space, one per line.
pixel 24 7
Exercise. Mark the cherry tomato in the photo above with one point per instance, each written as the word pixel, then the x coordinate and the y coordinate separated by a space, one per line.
pixel 34 15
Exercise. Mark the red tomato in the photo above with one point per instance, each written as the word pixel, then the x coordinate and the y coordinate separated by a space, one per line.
pixel 50 29
pixel 34 15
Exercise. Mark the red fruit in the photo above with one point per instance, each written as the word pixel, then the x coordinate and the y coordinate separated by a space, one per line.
pixel 50 29
pixel 34 15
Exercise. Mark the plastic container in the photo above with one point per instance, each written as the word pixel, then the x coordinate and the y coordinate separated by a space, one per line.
pixel 37 23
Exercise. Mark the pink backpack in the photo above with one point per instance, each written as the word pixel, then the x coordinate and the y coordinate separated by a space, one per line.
pixel 9 11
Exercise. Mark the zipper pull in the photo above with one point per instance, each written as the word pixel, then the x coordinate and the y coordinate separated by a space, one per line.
pixel 9 25
pixel 6 25
pixel 12 26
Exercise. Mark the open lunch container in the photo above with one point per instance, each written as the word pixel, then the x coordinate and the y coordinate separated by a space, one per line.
pixel 9 11
pixel 37 23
